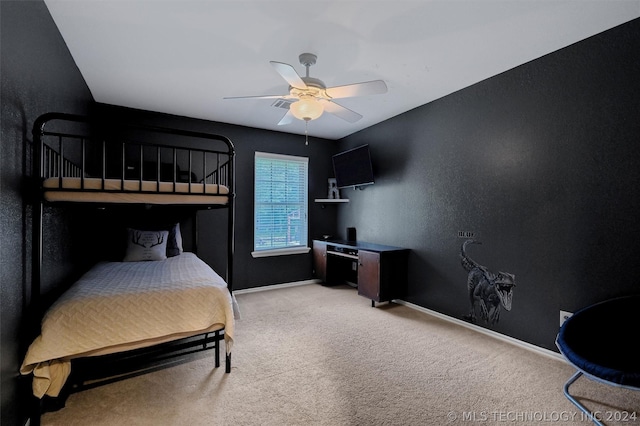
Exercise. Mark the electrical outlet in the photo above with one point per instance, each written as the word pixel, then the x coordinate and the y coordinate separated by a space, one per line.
pixel 564 315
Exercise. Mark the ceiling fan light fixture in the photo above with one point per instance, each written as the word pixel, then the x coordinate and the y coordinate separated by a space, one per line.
pixel 309 97
pixel 306 109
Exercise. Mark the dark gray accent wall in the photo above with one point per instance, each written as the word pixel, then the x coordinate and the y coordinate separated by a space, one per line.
pixel 212 224
pixel 38 76
pixel 540 162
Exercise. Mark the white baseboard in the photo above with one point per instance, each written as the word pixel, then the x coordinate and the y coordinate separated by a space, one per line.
pixel 491 333
pixel 275 286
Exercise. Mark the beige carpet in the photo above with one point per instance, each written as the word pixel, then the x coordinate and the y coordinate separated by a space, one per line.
pixel 313 355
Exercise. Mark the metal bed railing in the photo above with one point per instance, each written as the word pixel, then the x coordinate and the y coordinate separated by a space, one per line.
pixel 126 160
pixel 55 165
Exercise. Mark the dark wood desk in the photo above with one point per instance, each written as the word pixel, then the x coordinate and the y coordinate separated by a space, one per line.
pixel 378 271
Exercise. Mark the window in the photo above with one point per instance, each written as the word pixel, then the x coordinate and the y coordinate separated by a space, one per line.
pixel 280 208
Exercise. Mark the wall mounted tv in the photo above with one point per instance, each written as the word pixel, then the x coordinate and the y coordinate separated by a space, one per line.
pixel 352 168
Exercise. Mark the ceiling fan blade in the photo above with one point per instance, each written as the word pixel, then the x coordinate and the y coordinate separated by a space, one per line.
pixel 286 119
pixel 258 97
pixel 340 111
pixel 289 74
pixel 374 87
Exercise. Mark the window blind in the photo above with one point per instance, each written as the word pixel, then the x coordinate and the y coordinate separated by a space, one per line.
pixel 280 208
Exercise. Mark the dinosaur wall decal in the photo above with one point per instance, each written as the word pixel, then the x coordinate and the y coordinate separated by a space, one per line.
pixel 487 290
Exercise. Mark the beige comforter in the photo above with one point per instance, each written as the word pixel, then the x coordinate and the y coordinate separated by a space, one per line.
pixel 119 306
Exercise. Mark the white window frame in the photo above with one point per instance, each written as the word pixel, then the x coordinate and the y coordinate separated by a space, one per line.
pixel 304 243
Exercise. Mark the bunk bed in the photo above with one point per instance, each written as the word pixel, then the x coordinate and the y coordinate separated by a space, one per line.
pixel 157 292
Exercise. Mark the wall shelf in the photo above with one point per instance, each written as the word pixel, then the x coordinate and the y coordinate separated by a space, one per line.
pixel 331 200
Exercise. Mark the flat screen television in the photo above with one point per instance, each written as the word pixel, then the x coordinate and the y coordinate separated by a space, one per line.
pixel 353 167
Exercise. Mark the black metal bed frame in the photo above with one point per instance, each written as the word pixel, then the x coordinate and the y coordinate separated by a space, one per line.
pixel 49 162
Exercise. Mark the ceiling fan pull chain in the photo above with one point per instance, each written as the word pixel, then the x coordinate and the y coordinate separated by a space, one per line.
pixel 306 132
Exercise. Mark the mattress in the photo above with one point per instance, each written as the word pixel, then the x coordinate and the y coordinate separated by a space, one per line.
pixel 119 306
pixel 90 190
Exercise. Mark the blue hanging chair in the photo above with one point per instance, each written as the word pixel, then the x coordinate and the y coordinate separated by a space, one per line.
pixel 599 341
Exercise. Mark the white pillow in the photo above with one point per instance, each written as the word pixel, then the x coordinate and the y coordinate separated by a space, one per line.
pixel 146 245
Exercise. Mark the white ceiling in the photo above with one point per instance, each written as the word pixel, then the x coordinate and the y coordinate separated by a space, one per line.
pixel 182 57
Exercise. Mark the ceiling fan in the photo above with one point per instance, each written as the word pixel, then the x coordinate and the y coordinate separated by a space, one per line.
pixel 309 97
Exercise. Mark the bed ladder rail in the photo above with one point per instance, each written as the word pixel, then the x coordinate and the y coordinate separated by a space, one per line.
pixel 55 165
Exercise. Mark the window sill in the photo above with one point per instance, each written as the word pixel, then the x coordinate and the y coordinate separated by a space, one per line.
pixel 280 252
